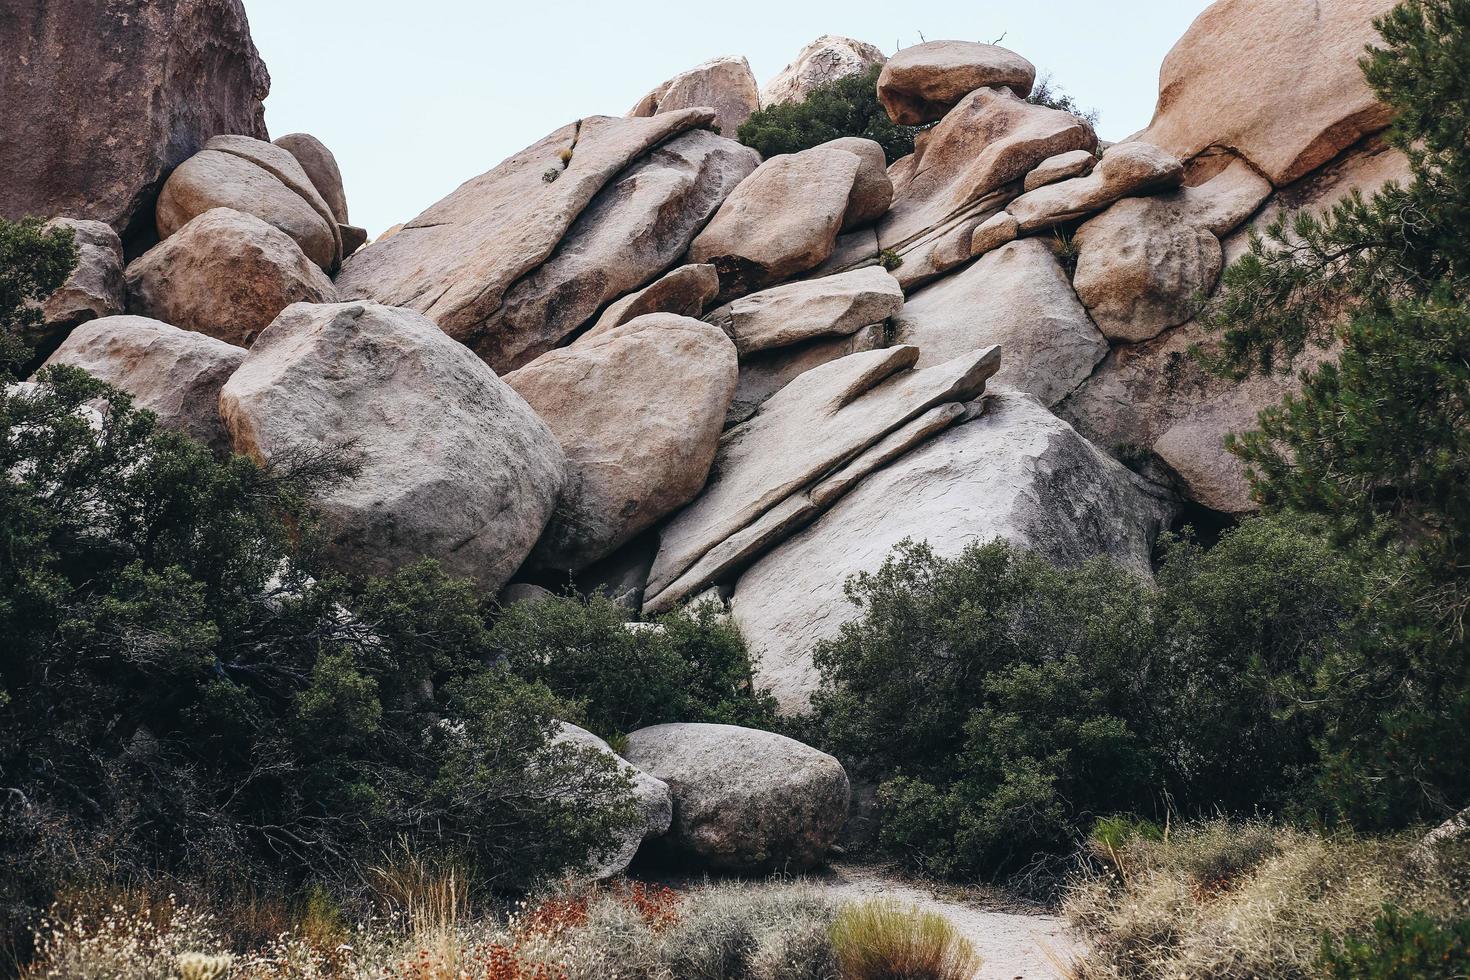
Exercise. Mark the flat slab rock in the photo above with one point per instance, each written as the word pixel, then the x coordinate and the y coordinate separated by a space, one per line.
pixel 921 83
pixel 800 311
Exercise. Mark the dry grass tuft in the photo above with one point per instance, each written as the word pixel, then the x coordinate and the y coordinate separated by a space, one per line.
pixel 882 940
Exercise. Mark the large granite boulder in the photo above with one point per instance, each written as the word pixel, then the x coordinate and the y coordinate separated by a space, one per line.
pixel 744 800
pixel 102 100
pixel 226 274
pixel 256 178
pixel 1015 472
pixel 652 795
pixel 1277 81
pixel 920 84
pixel 455 262
pixel 633 230
pixel 454 465
pixel 175 374
pixel 321 166
pixel 667 380
pixel 724 84
pixel 686 291
pixel 802 311
pixel 93 289
pixel 1125 169
pixel 872 191
pixel 1017 297
pixel 828 59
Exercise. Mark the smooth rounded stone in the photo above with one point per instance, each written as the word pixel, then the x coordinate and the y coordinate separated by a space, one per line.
pixel 102 100
pixel 220 177
pixel 920 84
pixel 1194 450
pixel 454 464
pixel 175 374
pixel 652 795
pixel 725 84
pixel 801 311
pixel 828 59
pixel 455 262
pixel 633 230
pixel 1015 472
pixel 226 274
pixel 1063 166
pixel 668 380
pixel 764 374
pixel 93 289
pixel 685 291
pixel 995 231
pixel 872 192
pixel 1017 297
pixel 1125 170
pixel 1276 80
pixel 321 167
pixel 744 800
pixel 781 221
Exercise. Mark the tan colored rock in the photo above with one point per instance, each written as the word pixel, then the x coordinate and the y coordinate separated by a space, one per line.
pixel 93 289
pixel 102 100
pixel 175 374
pixel 225 274
pixel 764 374
pixel 256 178
pixel 991 234
pixel 455 262
pixel 724 84
pixel 1125 170
pixel 1016 297
pixel 685 291
pixel 802 311
pixel 668 381
pixel 353 238
pixel 872 192
pixel 454 464
pixel 631 232
pixel 782 221
pixel 1275 80
pixel 389 232
pixel 321 167
pixel 828 59
pixel 922 83
pixel 850 251
pixel 1063 166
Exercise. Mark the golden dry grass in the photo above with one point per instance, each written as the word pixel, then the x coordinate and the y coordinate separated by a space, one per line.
pixel 883 940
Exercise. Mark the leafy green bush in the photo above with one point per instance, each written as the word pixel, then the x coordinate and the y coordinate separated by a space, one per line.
pixel 691 665
pixel 1413 947
pixel 846 107
pixel 33 264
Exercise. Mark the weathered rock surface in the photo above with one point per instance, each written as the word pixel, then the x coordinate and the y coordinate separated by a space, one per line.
pixel 922 83
pixel 455 262
pixel 455 465
pixel 93 289
pixel 724 84
pixel 686 291
pixel 655 804
pixel 256 178
pixel 668 380
pixel 225 274
pixel 1015 472
pixel 764 374
pixel 103 99
pixel 176 374
pixel 1277 81
pixel 802 311
pixel 744 800
pixel 1063 166
pixel 827 59
pixel 1125 169
pixel 872 191
pixel 1017 297
pixel 321 167
pixel 781 221
pixel 634 229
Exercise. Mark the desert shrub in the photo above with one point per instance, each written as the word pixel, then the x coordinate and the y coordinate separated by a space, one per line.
pixel 846 107
pixel 879 939
pixel 743 932
pixel 33 264
pixel 1046 92
pixel 691 665
pixel 1401 947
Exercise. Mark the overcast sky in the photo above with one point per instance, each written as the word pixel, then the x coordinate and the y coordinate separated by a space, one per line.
pixel 416 97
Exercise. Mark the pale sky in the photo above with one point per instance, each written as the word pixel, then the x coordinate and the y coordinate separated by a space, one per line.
pixel 416 96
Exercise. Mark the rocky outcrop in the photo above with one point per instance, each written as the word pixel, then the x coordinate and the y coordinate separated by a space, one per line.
pixel 257 178
pixel 765 373
pixel 102 100
pixel 686 291
pixel 654 800
pixel 1125 169
pixel 93 289
pixel 455 262
pixel 802 311
pixel 1063 166
pixel 1015 472
pixel 668 380
pixel 454 465
pixel 1276 81
pixel 828 59
pixel 175 374
pixel 920 84
pixel 724 84
pixel 321 167
pixel 225 274
pixel 632 231
pixel 744 800
pixel 872 190
pixel 1016 297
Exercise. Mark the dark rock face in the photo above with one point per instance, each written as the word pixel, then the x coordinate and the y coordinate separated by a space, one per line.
pixel 102 99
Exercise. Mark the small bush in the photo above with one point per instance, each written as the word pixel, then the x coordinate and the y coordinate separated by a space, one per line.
pixel 846 107
pixel 33 265
pixel 1400 947
pixel 881 940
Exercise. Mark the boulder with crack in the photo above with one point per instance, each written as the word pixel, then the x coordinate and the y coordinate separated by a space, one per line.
pixel 765 373
pixel 1125 170
pixel 828 59
pixel 686 291
pixel 802 311
pixel 724 84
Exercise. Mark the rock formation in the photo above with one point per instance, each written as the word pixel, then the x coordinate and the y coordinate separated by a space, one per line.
pixel 93 289
pixel 724 84
pixel 827 59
